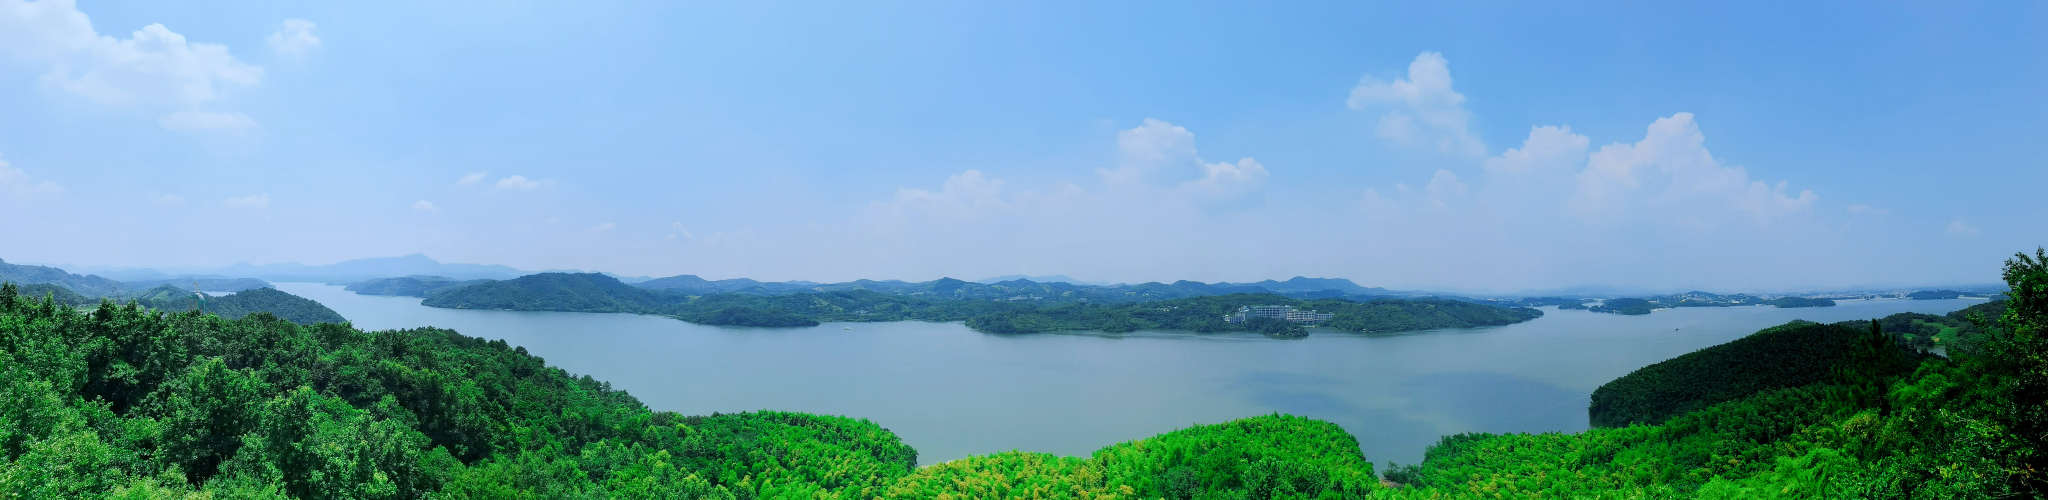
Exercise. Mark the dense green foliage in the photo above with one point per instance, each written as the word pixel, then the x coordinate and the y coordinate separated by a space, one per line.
pixel 122 400
pixel 1271 457
pixel 1936 432
pixel 1792 355
pixel 1970 426
pixel 1960 330
pixel 289 307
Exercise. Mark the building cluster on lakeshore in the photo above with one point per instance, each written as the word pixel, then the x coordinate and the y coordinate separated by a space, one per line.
pixel 1287 313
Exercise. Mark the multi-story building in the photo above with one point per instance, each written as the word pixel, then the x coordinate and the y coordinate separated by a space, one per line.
pixel 1284 313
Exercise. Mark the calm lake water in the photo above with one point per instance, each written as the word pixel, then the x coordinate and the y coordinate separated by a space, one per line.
pixel 952 392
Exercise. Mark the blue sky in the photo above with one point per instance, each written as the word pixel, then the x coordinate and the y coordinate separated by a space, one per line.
pixel 1470 146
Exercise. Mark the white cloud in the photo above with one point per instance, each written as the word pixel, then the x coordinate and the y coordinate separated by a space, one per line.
pixel 254 202
pixel 519 182
pixel 470 179
pixel 1548 149
pixel 425 206
pixel 1422 109
pixel 16 183
pixel 198 122
pixel 1959 228
pixel 962 196
pixel 1443 185
pixel 1161 155
pixel 1229 184
pixel 1155 152
pixel 1670 173
pixel 153 64
pixel 677 230
pixel 294 38
pixel 604 227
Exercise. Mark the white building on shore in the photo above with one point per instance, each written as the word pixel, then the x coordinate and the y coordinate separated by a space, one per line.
pixel 1284 313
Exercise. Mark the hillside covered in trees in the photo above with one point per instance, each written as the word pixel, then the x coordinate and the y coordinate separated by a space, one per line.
pixel 1792 355
pixel 284 306
pixel 409 286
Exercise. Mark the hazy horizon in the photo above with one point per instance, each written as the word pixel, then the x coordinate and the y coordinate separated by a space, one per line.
pixel 1732 147
pixel 1593 288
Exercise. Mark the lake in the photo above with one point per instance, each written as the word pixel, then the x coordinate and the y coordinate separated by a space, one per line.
pixel 952 392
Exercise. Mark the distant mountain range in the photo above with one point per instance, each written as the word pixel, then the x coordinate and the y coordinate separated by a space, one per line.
pixel 348 271
pixel 97 286
pixel 249 295
pixel 1057 278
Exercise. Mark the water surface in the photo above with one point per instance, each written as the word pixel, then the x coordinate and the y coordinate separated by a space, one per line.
pixel 952 392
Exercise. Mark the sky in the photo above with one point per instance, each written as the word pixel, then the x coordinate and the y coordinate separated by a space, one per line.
pixel 1738 146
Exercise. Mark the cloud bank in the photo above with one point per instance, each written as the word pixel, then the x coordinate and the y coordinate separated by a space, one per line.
pixel 154 67
pixel 1421 109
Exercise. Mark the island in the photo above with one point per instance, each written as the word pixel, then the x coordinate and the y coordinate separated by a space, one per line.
pixel 954 300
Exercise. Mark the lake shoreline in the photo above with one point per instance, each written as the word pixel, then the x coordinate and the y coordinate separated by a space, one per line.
pixel 953 392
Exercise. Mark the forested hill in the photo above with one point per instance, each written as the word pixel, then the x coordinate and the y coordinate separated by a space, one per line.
pixel 1792 355
pixel 87 285
pixel 410 286
pixel 575 292
pixel 1963 329
pixel 57 293
pixel 286 306
pixel 93 286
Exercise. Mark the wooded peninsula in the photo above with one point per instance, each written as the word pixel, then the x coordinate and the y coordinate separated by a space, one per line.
pixel 591 292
